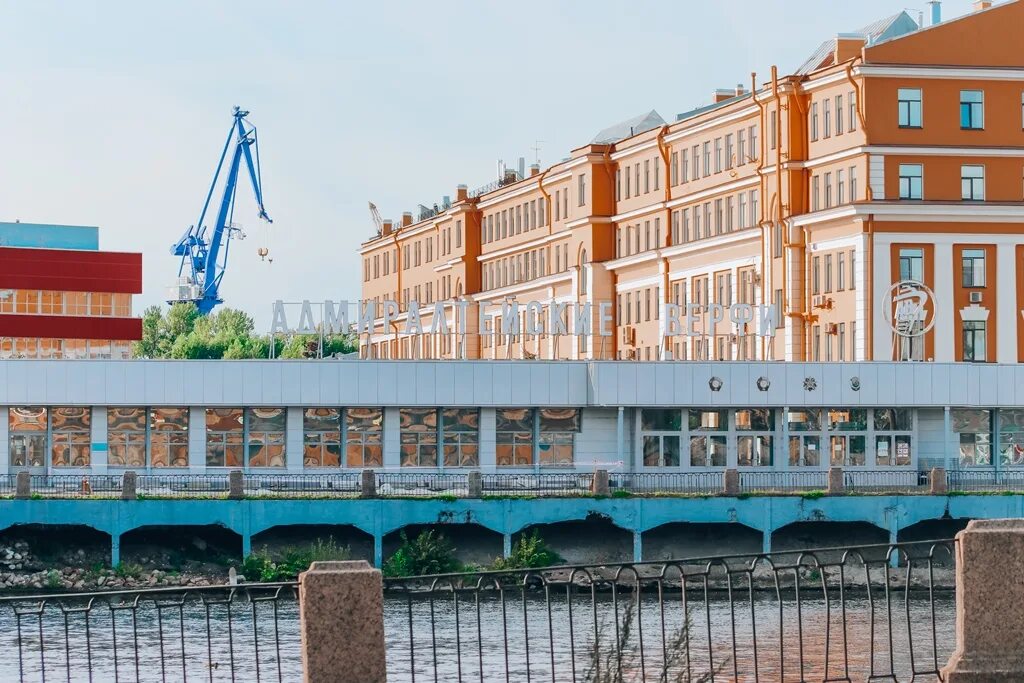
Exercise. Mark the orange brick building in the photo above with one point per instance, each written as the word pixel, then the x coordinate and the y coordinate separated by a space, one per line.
pixel 895 154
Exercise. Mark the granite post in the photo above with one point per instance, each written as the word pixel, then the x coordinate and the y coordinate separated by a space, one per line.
pixel 937 481
pixel 341 619
pixel 835 481
pixel 23 485
pixel 368 484
pixel 236 485
pixel 989 595
pixel 475 484
pixel 731 482
pixel 128 485
pixel 600 486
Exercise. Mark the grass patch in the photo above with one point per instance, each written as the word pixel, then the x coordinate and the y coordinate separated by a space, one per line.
pixel 261 566
pixel 429 553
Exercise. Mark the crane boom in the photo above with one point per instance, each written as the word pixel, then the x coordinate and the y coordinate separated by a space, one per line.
pixel 204 261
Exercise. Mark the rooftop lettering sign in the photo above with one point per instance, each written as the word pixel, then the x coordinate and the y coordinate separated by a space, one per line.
pixel 508 317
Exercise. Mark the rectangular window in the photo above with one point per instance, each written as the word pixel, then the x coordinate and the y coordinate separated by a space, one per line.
pixel 853 183
pixel 618 185
pixel 168 437
pixel 718 155
pixel 828 273
pixel 773 130
pixel 266 436
pixel 912 264
pixel 972 183
pixel 840 188
pixel 71 436
pixel 728 214
pixel 972 262
pixel 816 275
pixel 685 171
pixel 126 437
pixel 816 193
pixel 814 121
pixel 839 114
pixel 741 143
pixel 851 100
pixel 909 106
pixel 841 341
pixel 719 217
pixel 321 437
pixel 708 449
pixel 364 430
pixel 696 162
pixel 647 175
pixel 741 210
pixel 418 435
pixel 27 436
pixel 754 150
pixel 224 437
pixel 673 170
pixel 730 160
pixel 754 217
pixel 840 271
pixel 972 109
pixel 828 190
pixel 974 433
pixel 754 449
pixel 686 225
pixel 911 181
pixel 581 189
pixel 707 159
pixel 826 106
pixel 514 437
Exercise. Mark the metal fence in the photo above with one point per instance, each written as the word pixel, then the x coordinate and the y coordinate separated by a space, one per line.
pixel 880 481
pixel 182 485
pixel 782 482
pixel 653 483
pixel 70 485
pixel 984 480
pixel 241 633
pixel 542 484
pixel 839 614
pixel 421 485
pixel 345 485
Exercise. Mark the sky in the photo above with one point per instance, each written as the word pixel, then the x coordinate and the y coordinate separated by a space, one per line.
pixel 114 112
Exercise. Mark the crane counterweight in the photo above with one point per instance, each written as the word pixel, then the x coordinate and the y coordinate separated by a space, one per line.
pixel 204 260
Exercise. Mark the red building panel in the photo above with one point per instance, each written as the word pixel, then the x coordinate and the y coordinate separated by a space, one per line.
pixel 70 327
pixel 71 271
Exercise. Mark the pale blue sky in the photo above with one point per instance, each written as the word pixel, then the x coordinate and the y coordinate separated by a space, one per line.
pixel 112 113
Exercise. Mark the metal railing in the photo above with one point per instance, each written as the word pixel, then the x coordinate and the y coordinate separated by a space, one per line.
pixel 421 485
pixel 346 485
pixel 182 485
pixel 833 614
pixel 71 485
pixel 984 480
pixel 653 483
pixel 883 481
pixel 542 484
pixel 244 633
pixel 782 482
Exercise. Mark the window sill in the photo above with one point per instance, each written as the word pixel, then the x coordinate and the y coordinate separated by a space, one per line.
pixel 911 127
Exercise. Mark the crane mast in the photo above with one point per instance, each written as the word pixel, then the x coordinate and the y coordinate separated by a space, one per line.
pixel 204 258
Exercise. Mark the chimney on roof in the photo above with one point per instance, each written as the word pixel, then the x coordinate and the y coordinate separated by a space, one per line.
pixel 407 219
pixel 461 193
pixel 848 46
pixel 534 169
pixel 982 4
pixel 722 95
pixel 936 11
pixel 740 90
pixel 386 227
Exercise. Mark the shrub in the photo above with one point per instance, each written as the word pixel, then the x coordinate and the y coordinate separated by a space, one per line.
pixel 429 553
pixel 529 552
pixel 127 570
pixel 260 566
pixel 53 580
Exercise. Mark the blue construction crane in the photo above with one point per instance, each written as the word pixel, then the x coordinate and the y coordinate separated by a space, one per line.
pixel 203 261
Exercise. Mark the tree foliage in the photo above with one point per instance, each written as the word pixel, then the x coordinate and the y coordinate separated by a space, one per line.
pixel 180 332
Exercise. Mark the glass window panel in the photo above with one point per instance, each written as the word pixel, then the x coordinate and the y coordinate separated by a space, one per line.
pixel 28 449
pixel 559 420
pixel 224 437
pixel 514 419
pixel 804 420
pixel 661 419
pixel 27 419
pixel 892 450
pixel 894 419
pixel 755 419
pixel 971 421
pixel 804 451
pixel 754 451
pixel 707 420
pixel 126 437
pixel 72 419
pixel 847 420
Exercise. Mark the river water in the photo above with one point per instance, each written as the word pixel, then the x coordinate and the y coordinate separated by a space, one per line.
pixel 493 646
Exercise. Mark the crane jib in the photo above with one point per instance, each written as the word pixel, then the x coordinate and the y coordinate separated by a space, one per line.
pixel 204 262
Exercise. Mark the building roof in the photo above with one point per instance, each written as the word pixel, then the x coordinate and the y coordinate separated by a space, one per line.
pixel 43 236
pixel 890 27
pixel 629 128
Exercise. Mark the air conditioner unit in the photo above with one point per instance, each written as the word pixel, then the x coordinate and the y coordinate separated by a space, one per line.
pixel 831 328
pixel 818 301
pixel 975 297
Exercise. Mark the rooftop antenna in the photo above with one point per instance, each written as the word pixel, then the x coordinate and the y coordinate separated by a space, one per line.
pixel 536 151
